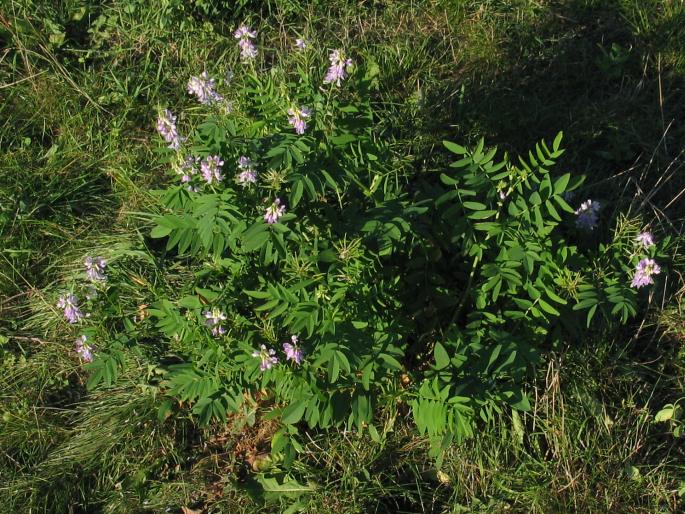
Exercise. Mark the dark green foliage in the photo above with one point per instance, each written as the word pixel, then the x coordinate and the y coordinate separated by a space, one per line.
pixel 457 285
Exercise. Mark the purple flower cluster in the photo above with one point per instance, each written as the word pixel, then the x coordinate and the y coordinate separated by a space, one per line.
pixel 203 88
pixel 211 169
pixel 643 273
pixel 292 350
pixel 72 312
pixel 297 117
pixel 84 350
pixel 95 268
pixel 245 36
pixel 300 44
pixel 213 321
pixel 188 168
pixel 274 211
pixel 645 239
pixel 267 356
pixel 337 72
pixel 248 175
pixel 166 126
pixel 588 215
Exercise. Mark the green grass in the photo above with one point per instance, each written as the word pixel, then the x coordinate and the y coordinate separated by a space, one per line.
pixel 79 90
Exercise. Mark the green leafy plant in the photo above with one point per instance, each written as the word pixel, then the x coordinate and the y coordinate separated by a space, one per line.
pixel 326 280
pixel 672 414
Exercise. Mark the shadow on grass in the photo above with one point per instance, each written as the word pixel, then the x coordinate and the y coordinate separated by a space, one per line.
pixel 582 69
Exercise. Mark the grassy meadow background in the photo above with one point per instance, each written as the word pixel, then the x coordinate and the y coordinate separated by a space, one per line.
pixel 80 85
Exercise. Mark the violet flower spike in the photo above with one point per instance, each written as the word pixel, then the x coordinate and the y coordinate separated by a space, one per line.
pixel 211 169
pixel 218 331
pixel 247 49
pixel 213 321
pixel 645 238
pixel 203 88
pixel 643 273
pixel 267 356
pixel 274 212
pixel 248 175
pixel 95 268
pixel 72 312
pixel 244 32
pixel 292 350
pixel 244 162
pixel 297 117
pixel 337 72
pixel 166 126
pixel 245 36
pixel 84 350
pixel 588 215
pixel 214 317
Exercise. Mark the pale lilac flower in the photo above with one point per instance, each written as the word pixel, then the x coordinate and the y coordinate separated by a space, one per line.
pixel 214 317
pixel 211 169
pixel 245 36
pixel 218 331
pixel 274 211
pixel 267 356
pixel 244 162
pixel 296 118
pixel 244 32
pixel 72 312
pixel 213 321
pixel 203 88
pixel 247 49
pixel 300 44
pixel 337 72
pixel 588 215
pixel 292 350
pixel 166 126
pixel 646 239
pixel 95 268
pixel 84 350
pixel 248 175
pixel 643 273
